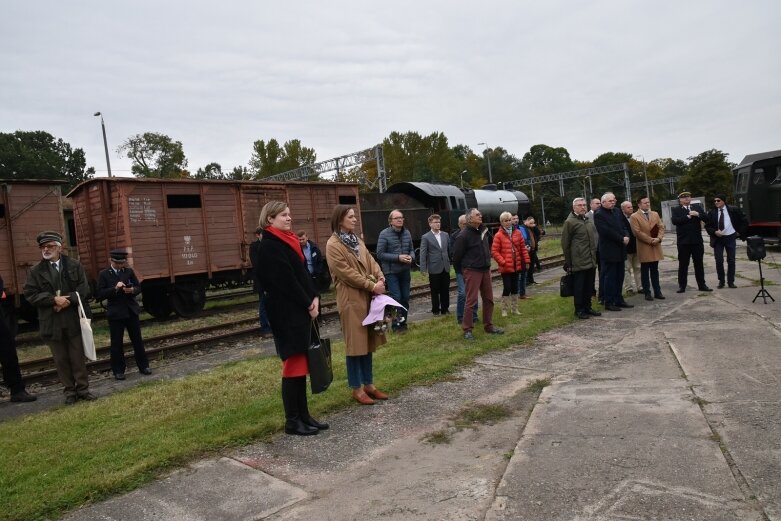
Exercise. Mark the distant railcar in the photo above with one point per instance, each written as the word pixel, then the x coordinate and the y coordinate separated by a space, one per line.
pixel 182 235
pixel 758 193
pixel 26 209
pixel 419 200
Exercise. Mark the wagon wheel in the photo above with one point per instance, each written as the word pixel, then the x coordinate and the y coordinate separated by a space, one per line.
pixel 188 299
pixel 156 303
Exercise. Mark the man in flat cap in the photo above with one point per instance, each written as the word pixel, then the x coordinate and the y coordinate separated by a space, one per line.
pixel 119 286
pixel 688 219
pixel 51 287
pixel 725 224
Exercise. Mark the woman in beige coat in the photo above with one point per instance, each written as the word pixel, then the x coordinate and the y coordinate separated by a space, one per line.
pixel 649 231
pixel 356 276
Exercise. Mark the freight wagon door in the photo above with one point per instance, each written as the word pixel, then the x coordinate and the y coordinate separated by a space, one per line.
pixel 185 229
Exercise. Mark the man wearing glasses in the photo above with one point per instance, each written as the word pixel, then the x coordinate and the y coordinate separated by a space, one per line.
pixel 725 225
pixel 396 253
pixel 51 287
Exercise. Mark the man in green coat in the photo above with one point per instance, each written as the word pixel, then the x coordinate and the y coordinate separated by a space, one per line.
pixel 579 243
pixel 51 287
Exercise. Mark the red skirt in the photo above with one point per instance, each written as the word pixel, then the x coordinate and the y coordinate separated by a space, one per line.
pixel 294 366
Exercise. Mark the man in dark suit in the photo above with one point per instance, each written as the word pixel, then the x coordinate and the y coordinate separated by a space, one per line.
pixel 434 260
pixel 12 376
pixel 119 286
pixel 612 251
pixel 725 225
pixel 688 219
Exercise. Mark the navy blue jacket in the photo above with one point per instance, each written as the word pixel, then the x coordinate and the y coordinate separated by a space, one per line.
pixel 610 226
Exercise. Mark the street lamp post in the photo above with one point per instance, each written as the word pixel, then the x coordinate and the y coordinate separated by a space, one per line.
pixel 488 158
pixel 105 142
pixel 461 175
pixel 645 176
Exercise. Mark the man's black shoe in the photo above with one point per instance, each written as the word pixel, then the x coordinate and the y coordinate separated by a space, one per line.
pixel 593 313
pixel 681 290
pixel 23 396
pixel 145 371
pixel 732 285
pixel 705 288
pixel 70 400
pixel 88 397
pixel 721 284
pixel 659 296
pixel 119 376
pixel 626 305
pixel 611 307
pixel 648 296
pixel 583 315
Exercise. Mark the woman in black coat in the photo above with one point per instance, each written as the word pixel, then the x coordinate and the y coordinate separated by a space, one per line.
pixel 292 304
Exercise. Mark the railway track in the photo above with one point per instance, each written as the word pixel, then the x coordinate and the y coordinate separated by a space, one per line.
pixel 42 371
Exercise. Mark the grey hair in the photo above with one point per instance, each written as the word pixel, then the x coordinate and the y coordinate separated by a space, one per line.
pixel 626 203
pixel 469 213
pixel 578 199
pixel 605 196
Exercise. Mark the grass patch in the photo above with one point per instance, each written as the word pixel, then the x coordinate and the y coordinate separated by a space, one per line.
pixel 536 386
pixel 58 460
pixel 481 415
pixel 440 437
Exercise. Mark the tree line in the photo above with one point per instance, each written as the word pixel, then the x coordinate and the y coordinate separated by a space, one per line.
pixel 409 156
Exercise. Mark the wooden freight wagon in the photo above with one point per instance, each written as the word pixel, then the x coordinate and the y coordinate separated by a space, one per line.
pixel 26 209
pixel 182 235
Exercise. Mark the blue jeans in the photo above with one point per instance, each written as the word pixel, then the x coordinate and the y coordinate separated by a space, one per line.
pixel 359 370
pixel 719 245
pixel 522 282
pixel 397 285
pixel 265 327
pixel 461 300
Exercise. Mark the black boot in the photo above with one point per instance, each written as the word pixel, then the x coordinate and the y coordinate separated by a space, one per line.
pixel 303 407
pixel 293 422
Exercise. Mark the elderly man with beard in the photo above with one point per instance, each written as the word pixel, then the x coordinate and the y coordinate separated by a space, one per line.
pixel 52 286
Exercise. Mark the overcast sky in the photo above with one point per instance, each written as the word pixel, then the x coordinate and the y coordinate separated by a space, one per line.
pixel 652 78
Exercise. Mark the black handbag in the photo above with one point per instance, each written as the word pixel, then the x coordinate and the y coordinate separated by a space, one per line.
pixel 565 286
pixel 318 355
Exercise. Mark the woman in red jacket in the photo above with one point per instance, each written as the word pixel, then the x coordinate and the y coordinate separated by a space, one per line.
pixel 510 253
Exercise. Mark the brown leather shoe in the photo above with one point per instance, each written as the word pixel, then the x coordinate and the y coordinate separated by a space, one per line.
pixel 375 393
pixel 361 397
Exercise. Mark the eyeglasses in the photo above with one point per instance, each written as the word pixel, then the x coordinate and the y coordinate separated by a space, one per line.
pixel 717 200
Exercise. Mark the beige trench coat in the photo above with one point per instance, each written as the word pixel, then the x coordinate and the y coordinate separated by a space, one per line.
pixel 647 252
pixel 353 294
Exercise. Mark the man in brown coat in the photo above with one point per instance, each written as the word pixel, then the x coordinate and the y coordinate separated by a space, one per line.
pixel 648 228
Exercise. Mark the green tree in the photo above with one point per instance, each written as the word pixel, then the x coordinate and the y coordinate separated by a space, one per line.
pixel 155 155
pixel 543 159
pixel 39 155
pixel 410 156
pixel 709 174
pixel 210 171
pixel 269 158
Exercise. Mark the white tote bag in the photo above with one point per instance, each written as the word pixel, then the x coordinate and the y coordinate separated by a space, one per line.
pixel 87 339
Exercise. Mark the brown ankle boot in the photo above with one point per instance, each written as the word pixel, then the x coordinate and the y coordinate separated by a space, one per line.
pixel 361 397
pixel 375 393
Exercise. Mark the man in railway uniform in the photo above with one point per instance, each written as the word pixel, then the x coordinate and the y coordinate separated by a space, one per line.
pixel 472 257
pixel 119 286
pixel 725 225
pixel 12 376
pixel 52 286
pixel 396 253
pixel 688 219
pixel 435 260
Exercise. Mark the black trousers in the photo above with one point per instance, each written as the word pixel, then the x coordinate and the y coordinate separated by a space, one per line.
pixel 694 252
pixel 117 329
pixel 439 283
pixel 534 265
pixel 649 274
pixel 12 376
pixel 583 288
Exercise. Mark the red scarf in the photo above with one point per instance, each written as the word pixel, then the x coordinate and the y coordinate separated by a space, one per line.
pixel 289 238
